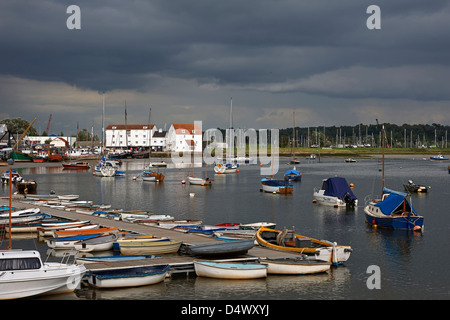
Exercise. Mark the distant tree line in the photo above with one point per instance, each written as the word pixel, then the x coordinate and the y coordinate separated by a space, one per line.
pixel 404 136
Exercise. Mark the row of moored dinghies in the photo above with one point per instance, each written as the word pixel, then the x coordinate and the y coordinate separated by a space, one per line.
pixel 233 240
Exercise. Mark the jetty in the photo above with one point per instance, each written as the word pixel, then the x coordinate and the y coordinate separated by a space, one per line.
pixel 179 263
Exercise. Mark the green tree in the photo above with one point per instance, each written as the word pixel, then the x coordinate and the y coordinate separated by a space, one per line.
pixel 18 126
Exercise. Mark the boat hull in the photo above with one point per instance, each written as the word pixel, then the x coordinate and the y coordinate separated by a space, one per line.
pixel 149 247
pixel 405 222
pixel 236 271
pixel 130 277
pixel 199 181
pixel 329 200
pixel 320 249
pixel 49 278
pixel 223 248
pixel 295 266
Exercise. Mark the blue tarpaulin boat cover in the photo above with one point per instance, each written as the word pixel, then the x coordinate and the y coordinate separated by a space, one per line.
pixel 291 172
pixel 338 187
pixel 392 202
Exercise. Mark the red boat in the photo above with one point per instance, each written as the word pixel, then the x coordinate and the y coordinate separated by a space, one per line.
pixel 76 165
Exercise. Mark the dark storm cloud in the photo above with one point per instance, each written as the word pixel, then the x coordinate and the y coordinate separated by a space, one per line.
pixel 227 42
pixel 321 49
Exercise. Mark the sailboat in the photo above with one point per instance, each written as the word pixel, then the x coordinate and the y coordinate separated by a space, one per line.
pixel 272 185
pixel 105 168
pixel 197 180
pixel 23 274
pixel 293 174
pixel 393 210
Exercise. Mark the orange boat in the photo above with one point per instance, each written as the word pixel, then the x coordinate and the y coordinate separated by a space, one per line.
pixel 67 233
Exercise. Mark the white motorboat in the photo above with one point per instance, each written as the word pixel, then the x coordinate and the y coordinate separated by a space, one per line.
pixel 335 192
pixel 23 274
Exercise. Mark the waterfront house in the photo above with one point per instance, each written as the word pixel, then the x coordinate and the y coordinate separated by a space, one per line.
pixel 184 137
pixel 159 140
pixel 129 136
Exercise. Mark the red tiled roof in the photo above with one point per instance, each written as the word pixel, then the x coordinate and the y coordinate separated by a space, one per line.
pixel 189 127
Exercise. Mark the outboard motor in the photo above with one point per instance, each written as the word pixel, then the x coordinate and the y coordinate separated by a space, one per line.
pixel 348 200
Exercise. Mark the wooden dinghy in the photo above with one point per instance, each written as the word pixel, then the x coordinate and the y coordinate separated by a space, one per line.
pixel 228 270
pixel 287 240
pixel 222 248
pixel 153 245
pixel 46 229
pixel 67 242
pixel 128 277
pixel 67 232
pixel 100 243
pixel 294 266
pixel 94 259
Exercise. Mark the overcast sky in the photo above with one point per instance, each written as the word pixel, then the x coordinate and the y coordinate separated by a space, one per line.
pixel 185 59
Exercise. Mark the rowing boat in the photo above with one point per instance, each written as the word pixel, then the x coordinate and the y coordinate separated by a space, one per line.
pixel 287 240
pixel 229 270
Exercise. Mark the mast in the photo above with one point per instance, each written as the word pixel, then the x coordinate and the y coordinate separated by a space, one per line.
pixel 10 196
pixel 293 140
pixel 383 133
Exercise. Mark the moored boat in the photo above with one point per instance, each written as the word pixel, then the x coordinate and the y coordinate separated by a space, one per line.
pixel 292 175
pixel 94 259
pixel 99 243
pixel 153 176
pixel 156 246
pixel 76 165
pixel 229 270
pixel 276 186
pixel 335 192
pixel 68 232
pixel 412 187
pixel 29 276
pixel 222 248
pixel 294 266
pixel 127 277
pixel 439 157
pixel 393 211
pixel 67 242
pixel 200 181
pixel 287 240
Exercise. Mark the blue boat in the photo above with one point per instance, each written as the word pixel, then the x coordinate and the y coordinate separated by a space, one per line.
pixel 292 175
pixel 439 157
pixel 115 258
pixel 393 211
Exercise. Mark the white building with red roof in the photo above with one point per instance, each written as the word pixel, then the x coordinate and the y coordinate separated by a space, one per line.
pixel 184 137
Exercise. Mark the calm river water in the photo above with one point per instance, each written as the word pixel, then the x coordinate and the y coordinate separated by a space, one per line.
pixel 412 265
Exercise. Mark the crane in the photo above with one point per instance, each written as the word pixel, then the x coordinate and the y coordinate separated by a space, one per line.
pixel 48 125
pixel 23 134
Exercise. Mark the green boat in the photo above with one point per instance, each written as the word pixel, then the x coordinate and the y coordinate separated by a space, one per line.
pixel 20 156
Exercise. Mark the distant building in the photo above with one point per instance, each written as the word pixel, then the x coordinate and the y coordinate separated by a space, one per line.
pixel 53 141
pixel 184 137
pixel 159 140
pixel 129 136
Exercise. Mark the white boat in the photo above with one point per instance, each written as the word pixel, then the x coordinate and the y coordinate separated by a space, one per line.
pixel 200 181
pixel 335 192
pixel 169 224
pixel 127 277
pixel 153 176
pixel 68 197
pixel 257 225
pixel 100 243
pixel 29 276
pixel 276 186
pixel 295 266
pixel 229 270
pixel 225 168
pixel 21 213
pixel 67 242
pixel 156 246
pixel 46 229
